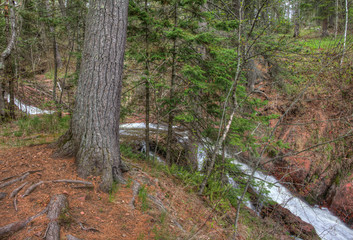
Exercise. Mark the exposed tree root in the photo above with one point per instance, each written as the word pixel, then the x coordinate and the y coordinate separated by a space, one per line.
pixel 7 178
pixel 135 190
pixel 32 187
pixel 70 237
pixel 2 195
pixel 15 192
pixel 73 181
pixel 87 228
pixel 17 226
pixel 22 177
pixel 57 205
pixel 15 203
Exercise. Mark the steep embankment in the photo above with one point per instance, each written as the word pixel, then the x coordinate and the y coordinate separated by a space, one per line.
pixel 321 173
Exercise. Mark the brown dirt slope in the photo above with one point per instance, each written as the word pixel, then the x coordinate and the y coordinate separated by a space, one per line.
pixel 111 214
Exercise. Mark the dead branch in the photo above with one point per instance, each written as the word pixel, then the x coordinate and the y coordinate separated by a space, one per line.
pixel 32 187
pixel 57 205
pixel 15 192
pixel 17 226
pixel 135 189
pixel 87 228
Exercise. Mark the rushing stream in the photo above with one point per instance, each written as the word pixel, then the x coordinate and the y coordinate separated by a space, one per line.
pixel 327 225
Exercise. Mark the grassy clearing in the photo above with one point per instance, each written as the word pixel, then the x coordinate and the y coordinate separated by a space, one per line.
pixel 32 130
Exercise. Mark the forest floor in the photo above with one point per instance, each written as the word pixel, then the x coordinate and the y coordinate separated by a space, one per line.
pixel 163 209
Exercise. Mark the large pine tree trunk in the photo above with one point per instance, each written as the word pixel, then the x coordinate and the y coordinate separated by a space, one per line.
pixel 94 133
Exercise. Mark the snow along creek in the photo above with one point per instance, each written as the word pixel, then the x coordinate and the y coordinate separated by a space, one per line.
pixel 327 225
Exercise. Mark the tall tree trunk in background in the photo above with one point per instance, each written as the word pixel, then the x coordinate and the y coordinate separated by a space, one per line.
pixel 324 23
pixel 5 55
pixel 171 93
pixel 11 83
pixel 147 86
pixel 94 133
pixel 345 32
pixel 336 21
pixel 56 53
pixel 296 19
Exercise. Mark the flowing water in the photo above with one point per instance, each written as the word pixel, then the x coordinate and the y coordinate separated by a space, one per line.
pixel 327 225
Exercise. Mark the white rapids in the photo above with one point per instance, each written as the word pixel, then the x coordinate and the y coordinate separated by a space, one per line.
pixel 327 225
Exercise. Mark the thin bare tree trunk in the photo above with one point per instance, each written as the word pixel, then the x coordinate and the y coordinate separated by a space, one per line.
pixel 171 93
pixel 296 19
pixel 336 22
pixel 233 88
pixel 147 87
pixel 56 53
pixel 4 55
pixel 324 23
pixel 345 33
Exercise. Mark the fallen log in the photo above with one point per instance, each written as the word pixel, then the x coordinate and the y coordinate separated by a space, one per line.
pixel 57 205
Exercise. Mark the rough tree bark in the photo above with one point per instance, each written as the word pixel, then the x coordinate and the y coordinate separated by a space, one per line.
pixel 94 133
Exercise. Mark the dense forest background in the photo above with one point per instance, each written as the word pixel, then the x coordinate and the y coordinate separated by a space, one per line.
pixel 269 81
